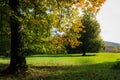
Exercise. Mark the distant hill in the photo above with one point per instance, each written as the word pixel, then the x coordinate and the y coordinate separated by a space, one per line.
pixel 112 47
pixel 107 43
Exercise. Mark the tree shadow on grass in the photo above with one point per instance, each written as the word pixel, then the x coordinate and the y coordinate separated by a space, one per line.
pixel 61 55
pixel 102 71
pixel 2 67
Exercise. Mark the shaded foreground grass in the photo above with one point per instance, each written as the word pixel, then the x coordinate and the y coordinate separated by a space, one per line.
pixel 67 67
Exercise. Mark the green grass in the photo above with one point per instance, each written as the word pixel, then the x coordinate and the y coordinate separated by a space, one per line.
pixel 67 67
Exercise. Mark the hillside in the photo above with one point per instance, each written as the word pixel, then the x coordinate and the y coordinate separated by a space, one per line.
pixel 107 43
pixel 112 47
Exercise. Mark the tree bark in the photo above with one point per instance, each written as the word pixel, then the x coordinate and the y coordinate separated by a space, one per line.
pixel 84 53
pixel 17 58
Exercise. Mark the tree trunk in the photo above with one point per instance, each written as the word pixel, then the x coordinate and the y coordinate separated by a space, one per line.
pixel 84 53
pixel 17 58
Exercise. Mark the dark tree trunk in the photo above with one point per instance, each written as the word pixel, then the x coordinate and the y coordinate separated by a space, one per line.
pixel 84 53
pixel 17 60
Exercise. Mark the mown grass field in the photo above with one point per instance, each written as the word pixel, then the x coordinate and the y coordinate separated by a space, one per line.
pixel 67 67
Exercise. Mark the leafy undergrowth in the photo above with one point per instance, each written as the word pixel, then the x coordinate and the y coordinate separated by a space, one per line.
pixel 68 68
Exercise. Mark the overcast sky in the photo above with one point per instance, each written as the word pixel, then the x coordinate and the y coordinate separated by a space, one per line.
pixel 109 19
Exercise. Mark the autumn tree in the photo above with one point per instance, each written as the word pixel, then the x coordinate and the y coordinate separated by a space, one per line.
pixel 30 16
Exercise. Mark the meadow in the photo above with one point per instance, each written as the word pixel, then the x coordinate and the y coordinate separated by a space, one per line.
pixel 97 66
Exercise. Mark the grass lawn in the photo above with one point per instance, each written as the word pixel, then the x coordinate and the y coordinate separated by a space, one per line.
pixel 67 67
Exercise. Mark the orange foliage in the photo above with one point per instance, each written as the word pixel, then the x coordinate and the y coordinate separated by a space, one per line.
pixel 62 14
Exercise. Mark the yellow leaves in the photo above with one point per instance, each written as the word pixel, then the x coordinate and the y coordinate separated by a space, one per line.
pixel 92 5
pixel 102 1
pixel 78 29
pixel 79 5
pixel 87 3
pixel 74 42
pixel 91 9
pixel 37 22
pixel 63 29
pixel 82 26
pixel 45 0
pixel 34 21
pixel 57 41
pixel 23 27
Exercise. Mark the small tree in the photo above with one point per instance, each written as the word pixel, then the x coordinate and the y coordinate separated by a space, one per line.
pixel 90 37
pixel 91 40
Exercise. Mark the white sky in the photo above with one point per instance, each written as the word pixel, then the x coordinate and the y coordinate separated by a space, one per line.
pixel 109 19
